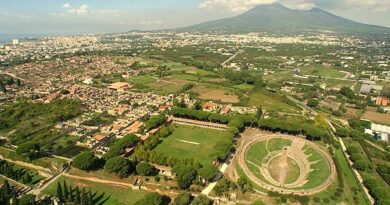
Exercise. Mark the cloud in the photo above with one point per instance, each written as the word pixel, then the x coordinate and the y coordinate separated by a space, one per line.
pixel 67 6
pixel 151 22
pixel 233 5
pixel 83 9
pixel 243 5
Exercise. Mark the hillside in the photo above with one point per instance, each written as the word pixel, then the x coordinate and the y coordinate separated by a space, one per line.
pixel 277 18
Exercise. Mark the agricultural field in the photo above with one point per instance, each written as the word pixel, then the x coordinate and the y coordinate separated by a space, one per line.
pixel 376 117
pixel 271 102
pixel 187 142
pixel 319 70
pixel 216 94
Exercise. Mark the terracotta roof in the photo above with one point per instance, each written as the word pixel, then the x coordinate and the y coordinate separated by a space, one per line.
pixel 99 137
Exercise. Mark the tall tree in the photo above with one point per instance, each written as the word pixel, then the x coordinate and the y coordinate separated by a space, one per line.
pixel 6 188
pixel 14 200
pixel 77 197
pixel 90 198
pixel 259 112
pixel 2 87
pixel 66 192
pixel 59 190
pixel 71 196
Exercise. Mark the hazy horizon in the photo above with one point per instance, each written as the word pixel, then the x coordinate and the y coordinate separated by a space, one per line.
pixel 60 17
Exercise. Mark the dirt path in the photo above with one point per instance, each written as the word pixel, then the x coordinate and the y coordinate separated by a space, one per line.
pixel 283 168
pixel 103 181
pixel 376 146
pixel 28 165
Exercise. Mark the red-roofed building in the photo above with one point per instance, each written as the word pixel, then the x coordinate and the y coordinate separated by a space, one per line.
pixel 225 110
pixel 382 101
pixel 210 106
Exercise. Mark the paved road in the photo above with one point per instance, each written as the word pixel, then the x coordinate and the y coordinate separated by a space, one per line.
pixel 36 191
pixel 222 170
pixel 231 58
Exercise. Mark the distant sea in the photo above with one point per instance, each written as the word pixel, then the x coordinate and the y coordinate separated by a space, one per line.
pixel 7 38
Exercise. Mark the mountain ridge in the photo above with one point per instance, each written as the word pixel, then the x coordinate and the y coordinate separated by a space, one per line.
pixel 278 18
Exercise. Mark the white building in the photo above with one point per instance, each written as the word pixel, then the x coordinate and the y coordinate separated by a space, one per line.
pixel 15 41
pixel 382 131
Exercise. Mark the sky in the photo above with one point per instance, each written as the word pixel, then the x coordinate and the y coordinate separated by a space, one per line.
pixel 43 17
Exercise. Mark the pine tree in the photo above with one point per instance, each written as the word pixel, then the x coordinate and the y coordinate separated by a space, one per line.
pixel 66 192
pixel 59 190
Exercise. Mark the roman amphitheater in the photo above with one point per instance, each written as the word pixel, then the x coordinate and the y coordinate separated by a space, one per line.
pixel 284 163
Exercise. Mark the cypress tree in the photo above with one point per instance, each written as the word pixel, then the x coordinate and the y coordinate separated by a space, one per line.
pixel 1 196
pixel 7 188
pixel 2 87
pixel 77 199
pixel 83 197
pixel 90 198
pixel 27 178
pixel 59 190
pixel 66 192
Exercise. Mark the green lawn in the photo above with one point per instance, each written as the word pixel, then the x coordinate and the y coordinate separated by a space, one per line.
pixel 244 87
pixel 322 71
pixel 141 79
pixel 202 139
pixel 270 101
pixel 257 152
pixel 105 194
pixel 277 144
pixel 320 169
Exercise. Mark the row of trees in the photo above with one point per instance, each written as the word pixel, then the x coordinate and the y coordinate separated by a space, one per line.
pixel 118 147
pixel 377 189
pixel 311 131
pixel 188 174
pixel 73 195
pixel 357 154
pixel 118 165
pixel 183 198
pixel 235 122
pixel 199 115
pixel 154 121
pixel 8 196
pixel 17 174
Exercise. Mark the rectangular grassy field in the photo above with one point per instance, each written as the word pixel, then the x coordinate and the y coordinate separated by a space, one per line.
pixel 191 142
